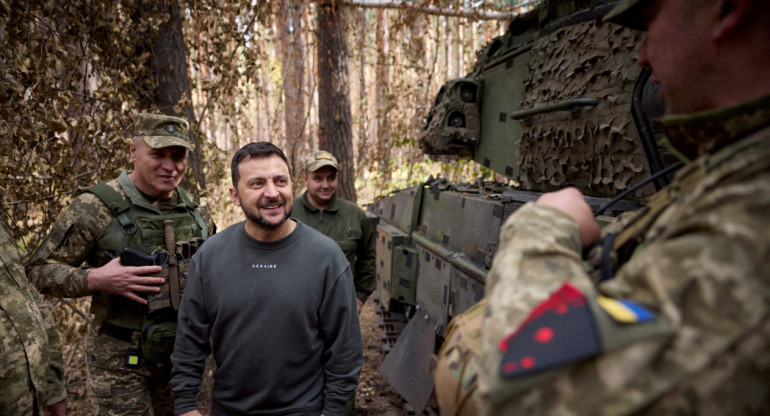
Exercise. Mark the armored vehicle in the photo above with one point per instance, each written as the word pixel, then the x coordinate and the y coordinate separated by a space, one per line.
pixel 556 101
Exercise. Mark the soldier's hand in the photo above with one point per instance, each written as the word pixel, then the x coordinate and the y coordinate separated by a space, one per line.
pixel 116 279
pixel 56 409
pixel 571 201
pixel 359 305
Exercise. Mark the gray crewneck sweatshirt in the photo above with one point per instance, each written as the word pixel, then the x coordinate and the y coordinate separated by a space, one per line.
pixel 281 318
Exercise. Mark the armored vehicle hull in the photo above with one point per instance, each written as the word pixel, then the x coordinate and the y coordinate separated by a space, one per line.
pixel 557 101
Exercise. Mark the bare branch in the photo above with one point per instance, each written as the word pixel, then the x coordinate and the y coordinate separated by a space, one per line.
pixel 438 11
pixel 71 355
pixel 72 306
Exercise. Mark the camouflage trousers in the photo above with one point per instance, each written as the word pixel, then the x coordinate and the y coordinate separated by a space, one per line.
pixel 115 389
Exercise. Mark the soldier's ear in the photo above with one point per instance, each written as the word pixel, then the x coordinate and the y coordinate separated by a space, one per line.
pixel 132 149
pixel 731 15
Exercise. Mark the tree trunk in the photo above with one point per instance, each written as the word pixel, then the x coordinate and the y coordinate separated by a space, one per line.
pixel 292 61
pixel 172 82
pixel 310 84
pixel 460 43
pixel 382 85
pixel 334 119
pixel 418 30
pixel 362 91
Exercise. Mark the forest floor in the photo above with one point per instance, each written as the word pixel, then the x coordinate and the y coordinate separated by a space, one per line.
pixel 374 396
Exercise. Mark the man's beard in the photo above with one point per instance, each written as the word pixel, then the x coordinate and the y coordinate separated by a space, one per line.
pixel 260 220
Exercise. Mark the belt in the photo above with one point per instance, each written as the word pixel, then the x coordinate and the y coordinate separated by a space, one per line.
pixel 117 332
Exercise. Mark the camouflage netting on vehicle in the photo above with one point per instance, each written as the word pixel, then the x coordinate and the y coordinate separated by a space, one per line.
pixel 598 151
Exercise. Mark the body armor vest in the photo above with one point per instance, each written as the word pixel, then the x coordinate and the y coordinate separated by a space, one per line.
pixel 143 227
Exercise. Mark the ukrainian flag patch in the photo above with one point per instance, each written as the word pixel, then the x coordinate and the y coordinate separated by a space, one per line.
pixel 625 311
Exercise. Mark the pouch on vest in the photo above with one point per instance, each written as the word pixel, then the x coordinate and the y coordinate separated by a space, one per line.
pixel 158 336
pixel 184 251
pixel 456 373
pixel 159 257
pixel 141 228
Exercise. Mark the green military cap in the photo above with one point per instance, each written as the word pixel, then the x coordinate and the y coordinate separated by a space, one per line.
pixel 317 160
pixel 162 131
pixel 626 13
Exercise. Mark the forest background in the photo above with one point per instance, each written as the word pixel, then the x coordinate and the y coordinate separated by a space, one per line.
pixel 356 78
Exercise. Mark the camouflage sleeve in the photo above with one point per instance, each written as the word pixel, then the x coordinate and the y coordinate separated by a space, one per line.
pixel 55 390
pixel 703 269
pixel 539 249
pixel 57 267
pixel 29 342
pixel 366 257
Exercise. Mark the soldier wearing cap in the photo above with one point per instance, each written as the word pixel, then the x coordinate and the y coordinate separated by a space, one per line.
pixel 342 220
pixel 680 324
pixel 128 368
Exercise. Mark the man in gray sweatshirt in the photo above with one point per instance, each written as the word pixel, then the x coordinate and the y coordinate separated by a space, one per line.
pixel 274 300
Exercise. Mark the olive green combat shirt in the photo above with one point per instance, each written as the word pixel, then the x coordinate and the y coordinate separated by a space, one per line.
pixel 30 353
pixel 347 224
pixel 57 268
pixel 701 260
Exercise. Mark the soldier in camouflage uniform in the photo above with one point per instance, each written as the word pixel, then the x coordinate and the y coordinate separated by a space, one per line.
pixel 677 323
pixel 31 367
pixel 71 262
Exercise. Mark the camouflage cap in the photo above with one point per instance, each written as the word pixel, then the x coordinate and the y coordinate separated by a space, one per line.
pixel 162 131
pixel 317 160
pixel 626 13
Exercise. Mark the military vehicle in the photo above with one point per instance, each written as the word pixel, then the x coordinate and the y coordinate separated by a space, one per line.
pixel 556 101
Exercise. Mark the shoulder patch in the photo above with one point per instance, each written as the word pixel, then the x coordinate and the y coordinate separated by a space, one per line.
pixel 624 311
pixel 559 331
pixel 571 326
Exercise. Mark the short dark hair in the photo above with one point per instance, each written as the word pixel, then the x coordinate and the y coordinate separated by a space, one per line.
pixel 251 151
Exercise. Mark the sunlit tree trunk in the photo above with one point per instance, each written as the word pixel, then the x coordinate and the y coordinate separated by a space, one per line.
pixel 334 119
pixel 293 64
pixel 417 30
pixel 75 110
pixel 384 141
pixel 447 48
pixel 362 95
pixel 264 95
pixel 311 118
pixel 259 124
pixel 460 46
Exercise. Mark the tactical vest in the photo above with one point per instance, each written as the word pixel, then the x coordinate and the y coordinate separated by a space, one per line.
pixel 617 247
pixel 140 226
pixel 626 237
